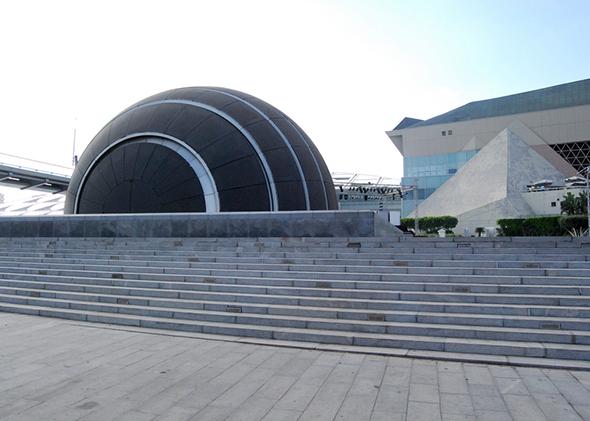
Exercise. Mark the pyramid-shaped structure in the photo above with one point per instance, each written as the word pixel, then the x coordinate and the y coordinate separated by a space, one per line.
pixel 490 185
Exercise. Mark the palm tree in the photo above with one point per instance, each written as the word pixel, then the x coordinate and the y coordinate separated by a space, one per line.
pixel 574 205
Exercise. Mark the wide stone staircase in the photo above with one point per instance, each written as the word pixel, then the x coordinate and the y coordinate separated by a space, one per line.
pixel 509 298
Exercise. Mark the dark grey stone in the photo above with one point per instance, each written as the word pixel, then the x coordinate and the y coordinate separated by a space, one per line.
pixel 279 227
pixel 144 227
pixel 108 228
pixel 303 227
pixel 76 228
pixel 126 228
pixel 162 228
pixel 61 228
pixel 4 228
pixel 45 228
pixel 263 224
pixel 239 227
pixel 197 228
pixel 24 228
pixel 179 227
pixel 258 227
pixel 216 227
pixel 91 228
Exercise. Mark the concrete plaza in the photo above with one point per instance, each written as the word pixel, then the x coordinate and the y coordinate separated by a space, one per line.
pixel 52 369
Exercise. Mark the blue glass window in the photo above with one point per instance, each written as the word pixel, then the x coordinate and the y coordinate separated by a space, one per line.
pixel 419 166
pixel 429 173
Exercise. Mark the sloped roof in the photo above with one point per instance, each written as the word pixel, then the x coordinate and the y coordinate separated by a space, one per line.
pixel 407 122
pixel 559 96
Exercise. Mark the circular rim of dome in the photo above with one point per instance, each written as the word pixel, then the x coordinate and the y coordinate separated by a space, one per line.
pixel 191 157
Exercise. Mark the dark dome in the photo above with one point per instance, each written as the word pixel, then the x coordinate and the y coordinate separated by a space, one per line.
pixel 200 150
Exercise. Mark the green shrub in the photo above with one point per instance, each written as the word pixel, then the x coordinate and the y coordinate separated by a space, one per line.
pixel 542 226
pixel 574 205
pixel 573 222
pixel 427 224
pixel 431 224
pixel 510 227
pixel 449 222
pixel 549 226
pixel 408 223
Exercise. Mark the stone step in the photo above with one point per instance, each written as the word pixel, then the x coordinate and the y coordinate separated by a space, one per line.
pixel 514 297
pixel 350 256
pixel 356 247
pixel 328 324
pixel 477 346
pixel 192 290
pixel 190 261
pixel 402 282
pixel 369 288
pixel 300 242
pixel 91 264
pixel 213 258
pixel 341 305
pixel 482 252
pixel 464 319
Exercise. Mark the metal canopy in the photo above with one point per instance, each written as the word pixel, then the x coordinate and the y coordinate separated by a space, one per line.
pixel 25 178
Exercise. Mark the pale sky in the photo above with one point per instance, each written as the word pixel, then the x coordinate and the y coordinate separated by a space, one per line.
pixel 345 71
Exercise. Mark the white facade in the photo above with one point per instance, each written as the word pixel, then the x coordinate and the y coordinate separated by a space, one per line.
pixel 548 202
pixel 561 125
pixel 475 162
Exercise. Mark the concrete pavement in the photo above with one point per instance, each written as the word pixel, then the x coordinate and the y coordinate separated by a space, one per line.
pixel 52 369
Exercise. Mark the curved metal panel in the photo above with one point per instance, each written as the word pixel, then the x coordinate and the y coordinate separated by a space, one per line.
pixel 283 138
pixel 267 171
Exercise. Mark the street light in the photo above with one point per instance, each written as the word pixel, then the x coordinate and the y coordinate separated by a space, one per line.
pixel 416 223
pixel 588 201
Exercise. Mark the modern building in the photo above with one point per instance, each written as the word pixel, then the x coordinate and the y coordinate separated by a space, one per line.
pixel 541 134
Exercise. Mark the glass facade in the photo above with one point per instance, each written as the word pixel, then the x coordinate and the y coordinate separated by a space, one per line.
pixel 428 173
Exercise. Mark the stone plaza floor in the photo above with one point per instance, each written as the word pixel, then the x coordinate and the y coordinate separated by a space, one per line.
pixel 52 369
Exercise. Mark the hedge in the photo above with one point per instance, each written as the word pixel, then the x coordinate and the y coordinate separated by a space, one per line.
pixel 542 226
pixel 431 224
pixel 546 226
pixel 510 227
pixel 408 223
pixel 570 223
pixel 549 226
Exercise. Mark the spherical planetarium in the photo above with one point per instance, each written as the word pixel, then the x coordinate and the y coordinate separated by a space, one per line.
pixel 200 150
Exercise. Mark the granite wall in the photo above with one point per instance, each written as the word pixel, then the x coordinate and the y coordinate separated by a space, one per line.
pixel 234 224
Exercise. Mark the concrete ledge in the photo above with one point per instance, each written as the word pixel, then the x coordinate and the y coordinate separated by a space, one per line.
pixel 551 363
pixel 179 225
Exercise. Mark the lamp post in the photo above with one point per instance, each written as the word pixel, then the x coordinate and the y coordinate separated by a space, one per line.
pixel 588 201
pixel 416 223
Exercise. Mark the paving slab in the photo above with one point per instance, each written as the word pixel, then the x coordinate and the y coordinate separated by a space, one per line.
pixel 63 370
